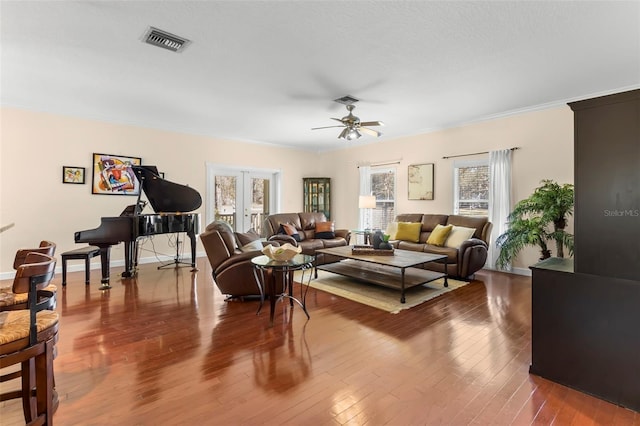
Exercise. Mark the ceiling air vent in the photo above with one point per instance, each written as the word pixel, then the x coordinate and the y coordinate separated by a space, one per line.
pixel 346 100
pixel 165 40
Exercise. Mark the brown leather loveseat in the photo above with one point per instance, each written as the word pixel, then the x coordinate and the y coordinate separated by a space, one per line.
pixel 305 225
pixel 465 257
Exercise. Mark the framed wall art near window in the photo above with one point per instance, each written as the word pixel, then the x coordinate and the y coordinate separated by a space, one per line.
pixel 71 174
pixel 114 175
pixel 421 181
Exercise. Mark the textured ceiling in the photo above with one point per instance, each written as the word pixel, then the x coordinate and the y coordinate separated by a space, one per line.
pixel 268 71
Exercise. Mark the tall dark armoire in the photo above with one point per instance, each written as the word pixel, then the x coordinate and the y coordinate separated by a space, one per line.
pixel 586 310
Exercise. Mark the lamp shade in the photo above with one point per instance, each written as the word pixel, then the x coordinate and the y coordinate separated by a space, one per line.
pixel 367 202
pixel 353 134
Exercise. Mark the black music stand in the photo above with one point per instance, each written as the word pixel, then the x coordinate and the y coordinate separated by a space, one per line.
pixel 176 262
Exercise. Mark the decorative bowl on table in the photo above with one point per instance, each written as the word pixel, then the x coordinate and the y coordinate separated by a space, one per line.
pixel 283 253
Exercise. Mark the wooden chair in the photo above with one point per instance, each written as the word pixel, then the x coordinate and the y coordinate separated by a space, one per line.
pixel 45 247
pixel 28 338
pixel 9 300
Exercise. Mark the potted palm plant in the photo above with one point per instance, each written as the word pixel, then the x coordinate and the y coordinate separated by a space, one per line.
pixel 536 220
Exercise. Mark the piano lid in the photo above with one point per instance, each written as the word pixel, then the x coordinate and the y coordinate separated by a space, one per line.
pixel 165 196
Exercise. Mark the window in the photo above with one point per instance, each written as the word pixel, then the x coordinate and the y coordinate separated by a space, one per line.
pixel 471 186
pixel 380 182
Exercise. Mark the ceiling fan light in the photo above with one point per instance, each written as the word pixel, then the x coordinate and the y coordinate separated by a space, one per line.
pixel 353 134
pixel 352 125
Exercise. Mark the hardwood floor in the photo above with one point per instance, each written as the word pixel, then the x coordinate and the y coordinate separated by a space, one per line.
pixel 166 349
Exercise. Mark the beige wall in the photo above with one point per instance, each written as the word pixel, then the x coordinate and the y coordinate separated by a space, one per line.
pixel 35 146
pixel 545 139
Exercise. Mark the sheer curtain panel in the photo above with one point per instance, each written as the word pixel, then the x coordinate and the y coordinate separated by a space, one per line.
pixel 499 199
pixel 365 189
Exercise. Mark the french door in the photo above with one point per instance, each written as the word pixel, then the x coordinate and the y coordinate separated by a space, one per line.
pixel 240 196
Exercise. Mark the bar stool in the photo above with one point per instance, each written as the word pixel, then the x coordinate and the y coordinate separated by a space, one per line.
pixel 28 338
pixel 85 253
pixel 45 247
pixel 16 301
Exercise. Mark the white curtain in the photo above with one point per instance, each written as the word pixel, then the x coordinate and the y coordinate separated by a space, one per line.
pixel 499 199
pixel 365 189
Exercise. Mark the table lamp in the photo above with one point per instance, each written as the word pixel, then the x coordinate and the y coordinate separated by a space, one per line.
pixel 367 202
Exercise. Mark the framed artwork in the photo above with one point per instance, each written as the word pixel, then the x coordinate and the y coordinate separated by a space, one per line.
pixel 113 175
pixel 71 174
pixel 421 181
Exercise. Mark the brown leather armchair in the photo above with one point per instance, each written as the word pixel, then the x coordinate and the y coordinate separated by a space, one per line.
pixel 233 271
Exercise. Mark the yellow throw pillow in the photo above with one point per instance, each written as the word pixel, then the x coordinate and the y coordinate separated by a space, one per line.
pixel 439 235
pixel 409 231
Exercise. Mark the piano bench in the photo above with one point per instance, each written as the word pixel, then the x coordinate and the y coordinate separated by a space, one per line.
pixel 85 253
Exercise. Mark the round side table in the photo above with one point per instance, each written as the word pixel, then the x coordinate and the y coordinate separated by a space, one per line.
pixel 269 272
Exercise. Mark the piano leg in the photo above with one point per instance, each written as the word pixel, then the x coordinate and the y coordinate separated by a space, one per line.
pixel 135 256
pixel 105 252
pixel 193 238
pixel 129 263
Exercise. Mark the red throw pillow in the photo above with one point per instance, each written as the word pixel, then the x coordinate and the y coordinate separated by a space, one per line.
pixel 286 228
pixel 325 230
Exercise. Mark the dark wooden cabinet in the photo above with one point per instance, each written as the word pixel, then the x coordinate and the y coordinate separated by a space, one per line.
pixel 607 185
pixel 584 313
pixel 317 195
pixel 584 330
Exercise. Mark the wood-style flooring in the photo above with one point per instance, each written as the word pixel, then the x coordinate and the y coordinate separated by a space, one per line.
pixel 167 349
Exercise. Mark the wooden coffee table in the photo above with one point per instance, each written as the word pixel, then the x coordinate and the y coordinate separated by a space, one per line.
pixel 398 271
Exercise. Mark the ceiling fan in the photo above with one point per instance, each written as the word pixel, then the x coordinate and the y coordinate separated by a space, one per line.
pixel 353 127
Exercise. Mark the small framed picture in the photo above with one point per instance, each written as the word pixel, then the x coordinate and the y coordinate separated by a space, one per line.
pixel 72 174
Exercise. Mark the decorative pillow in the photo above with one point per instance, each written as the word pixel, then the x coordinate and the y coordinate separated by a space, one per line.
pixel 392 230
pixel 252 246
pixel 325 230
pixel 409 231
pixel 439 235
pixel 288 229
pixel 458 235
pixel 247 237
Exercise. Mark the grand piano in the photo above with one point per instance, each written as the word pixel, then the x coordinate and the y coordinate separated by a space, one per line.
pixel 170 201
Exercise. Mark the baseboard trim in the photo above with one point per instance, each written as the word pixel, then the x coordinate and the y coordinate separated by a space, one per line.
pixel 75 266
pixel 79 266
pixel 516 271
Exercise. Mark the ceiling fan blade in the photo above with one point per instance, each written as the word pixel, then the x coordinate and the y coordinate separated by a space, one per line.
pixel 325 127
pixel 371 123
pixel 369 132
pixel 338 119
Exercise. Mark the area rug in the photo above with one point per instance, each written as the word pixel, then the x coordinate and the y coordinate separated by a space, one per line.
pixel 379 297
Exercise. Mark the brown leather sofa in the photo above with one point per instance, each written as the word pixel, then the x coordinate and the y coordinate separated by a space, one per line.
pixel 463 261
pixel 232 269
pixel 305 225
